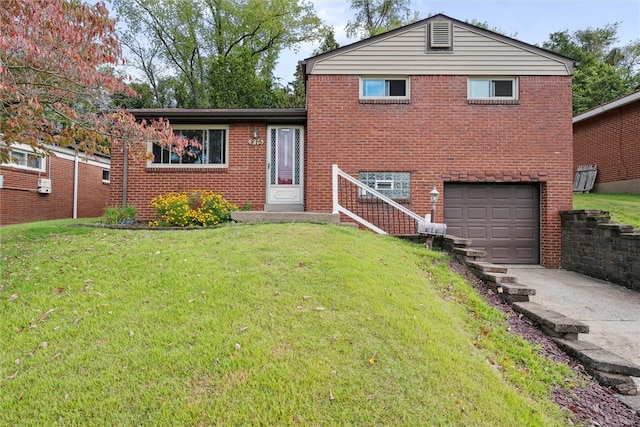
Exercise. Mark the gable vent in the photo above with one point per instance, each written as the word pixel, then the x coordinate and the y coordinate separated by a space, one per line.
pixel 440 34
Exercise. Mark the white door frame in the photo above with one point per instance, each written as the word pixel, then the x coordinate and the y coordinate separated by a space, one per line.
pixel 284 197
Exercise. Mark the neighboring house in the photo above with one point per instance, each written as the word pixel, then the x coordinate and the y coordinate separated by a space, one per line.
pixel 37 187
pixel 484 118
pixel 608 136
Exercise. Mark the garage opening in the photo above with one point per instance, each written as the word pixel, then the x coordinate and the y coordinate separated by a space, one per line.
pixel 501 219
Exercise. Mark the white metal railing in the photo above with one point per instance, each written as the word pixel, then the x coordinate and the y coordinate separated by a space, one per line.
pixel 369 207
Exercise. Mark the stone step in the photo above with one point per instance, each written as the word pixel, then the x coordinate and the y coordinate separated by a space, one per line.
pixel 595 357
pixel 487 267
pixel 553 323
pixel 457 241
pixel 469 252
pixel 516 289
pixel 498 278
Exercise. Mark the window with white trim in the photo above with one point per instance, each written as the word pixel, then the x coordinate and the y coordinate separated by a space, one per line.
pixel 395 185
pixel 213 152
pixel 493 88
pixel 384 88
pixel 106 176
pixel 26 160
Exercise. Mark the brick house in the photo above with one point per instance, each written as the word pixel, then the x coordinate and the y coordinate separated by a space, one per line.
pixel 484 118
pixel 37 187
pixel 609 136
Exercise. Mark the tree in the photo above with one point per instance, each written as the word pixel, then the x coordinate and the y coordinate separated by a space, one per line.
pixel 56 79
pixel 605 72
pixel 295 95
pixel 213 48
pixel 374 17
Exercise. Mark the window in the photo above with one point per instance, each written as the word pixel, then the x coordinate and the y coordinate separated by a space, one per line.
pixel 379 87
pixel 493 88
pixel 212 153
pixel 26 160
pixel 106 176
pixel 395 185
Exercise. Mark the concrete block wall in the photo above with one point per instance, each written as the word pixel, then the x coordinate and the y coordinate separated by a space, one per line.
pixel 593 246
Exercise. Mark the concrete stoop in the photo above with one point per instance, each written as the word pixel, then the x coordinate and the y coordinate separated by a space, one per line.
pixel 609 369
pixel 283 217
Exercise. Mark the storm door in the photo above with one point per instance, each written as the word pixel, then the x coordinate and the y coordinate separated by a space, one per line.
pixel 285 168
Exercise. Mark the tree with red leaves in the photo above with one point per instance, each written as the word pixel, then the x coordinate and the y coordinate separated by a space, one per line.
pixel 57 80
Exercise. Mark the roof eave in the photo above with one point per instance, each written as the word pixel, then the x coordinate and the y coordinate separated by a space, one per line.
pixel 617 103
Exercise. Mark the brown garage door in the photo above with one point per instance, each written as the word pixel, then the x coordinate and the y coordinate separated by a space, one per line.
pixel 503 219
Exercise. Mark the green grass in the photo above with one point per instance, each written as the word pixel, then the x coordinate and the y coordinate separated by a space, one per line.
pixel 254 325
pixel 623 208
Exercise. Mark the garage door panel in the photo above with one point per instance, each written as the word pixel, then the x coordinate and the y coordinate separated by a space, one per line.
pixel 502 219
pixel 475 232
pixel 522 255
pixel 501 193
pixel 455 193
pixel 476 193
pixel 524 214
pixel 498 232
pixel 475 213
pixel 524 233
pixel 453 213
pixel 525 193
pixel 500 254
pixel 502 213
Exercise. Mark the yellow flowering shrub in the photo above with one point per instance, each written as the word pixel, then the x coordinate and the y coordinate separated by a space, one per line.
pixel 191 208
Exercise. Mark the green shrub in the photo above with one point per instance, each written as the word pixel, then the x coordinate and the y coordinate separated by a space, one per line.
pixel 114 215
pixel 191 208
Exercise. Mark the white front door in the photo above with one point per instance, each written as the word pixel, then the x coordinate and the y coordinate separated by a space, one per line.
pixel 285 168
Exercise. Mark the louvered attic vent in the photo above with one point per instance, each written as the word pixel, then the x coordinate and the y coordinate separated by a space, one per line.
pixel 440 34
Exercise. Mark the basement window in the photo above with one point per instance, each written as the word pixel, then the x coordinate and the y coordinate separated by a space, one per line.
pixel 394 185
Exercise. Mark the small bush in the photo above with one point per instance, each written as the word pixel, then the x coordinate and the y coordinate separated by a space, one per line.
pixel 191 208
pixel 125 215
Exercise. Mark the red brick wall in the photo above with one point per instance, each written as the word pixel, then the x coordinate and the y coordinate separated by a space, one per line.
pixel 242 182
pixel 439 137
pixel 20 202
pixel 612 141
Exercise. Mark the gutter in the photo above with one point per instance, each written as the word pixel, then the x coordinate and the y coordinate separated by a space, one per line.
pixel 607 107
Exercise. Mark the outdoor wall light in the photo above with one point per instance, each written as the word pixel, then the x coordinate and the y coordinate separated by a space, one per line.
pixel 256 140
pixel 433 194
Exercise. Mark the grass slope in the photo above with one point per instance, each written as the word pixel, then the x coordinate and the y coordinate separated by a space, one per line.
pixel 254 325
pixel 624 208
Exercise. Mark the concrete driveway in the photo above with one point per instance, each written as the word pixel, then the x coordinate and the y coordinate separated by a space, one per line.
pixel 611 311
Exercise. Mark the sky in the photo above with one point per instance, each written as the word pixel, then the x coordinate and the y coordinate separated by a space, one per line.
pixel 528 21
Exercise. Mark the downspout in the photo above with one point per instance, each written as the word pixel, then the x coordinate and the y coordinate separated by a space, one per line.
pixel 125 173
pixel 75 186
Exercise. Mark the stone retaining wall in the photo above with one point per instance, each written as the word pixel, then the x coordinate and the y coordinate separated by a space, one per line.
pixel 593 246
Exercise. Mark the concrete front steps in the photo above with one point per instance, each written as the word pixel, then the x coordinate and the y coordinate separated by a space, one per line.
pixel 282 217
pixel 606 367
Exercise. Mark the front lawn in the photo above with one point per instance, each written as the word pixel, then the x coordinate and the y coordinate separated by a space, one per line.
pixel 624 208
pixel 254 325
